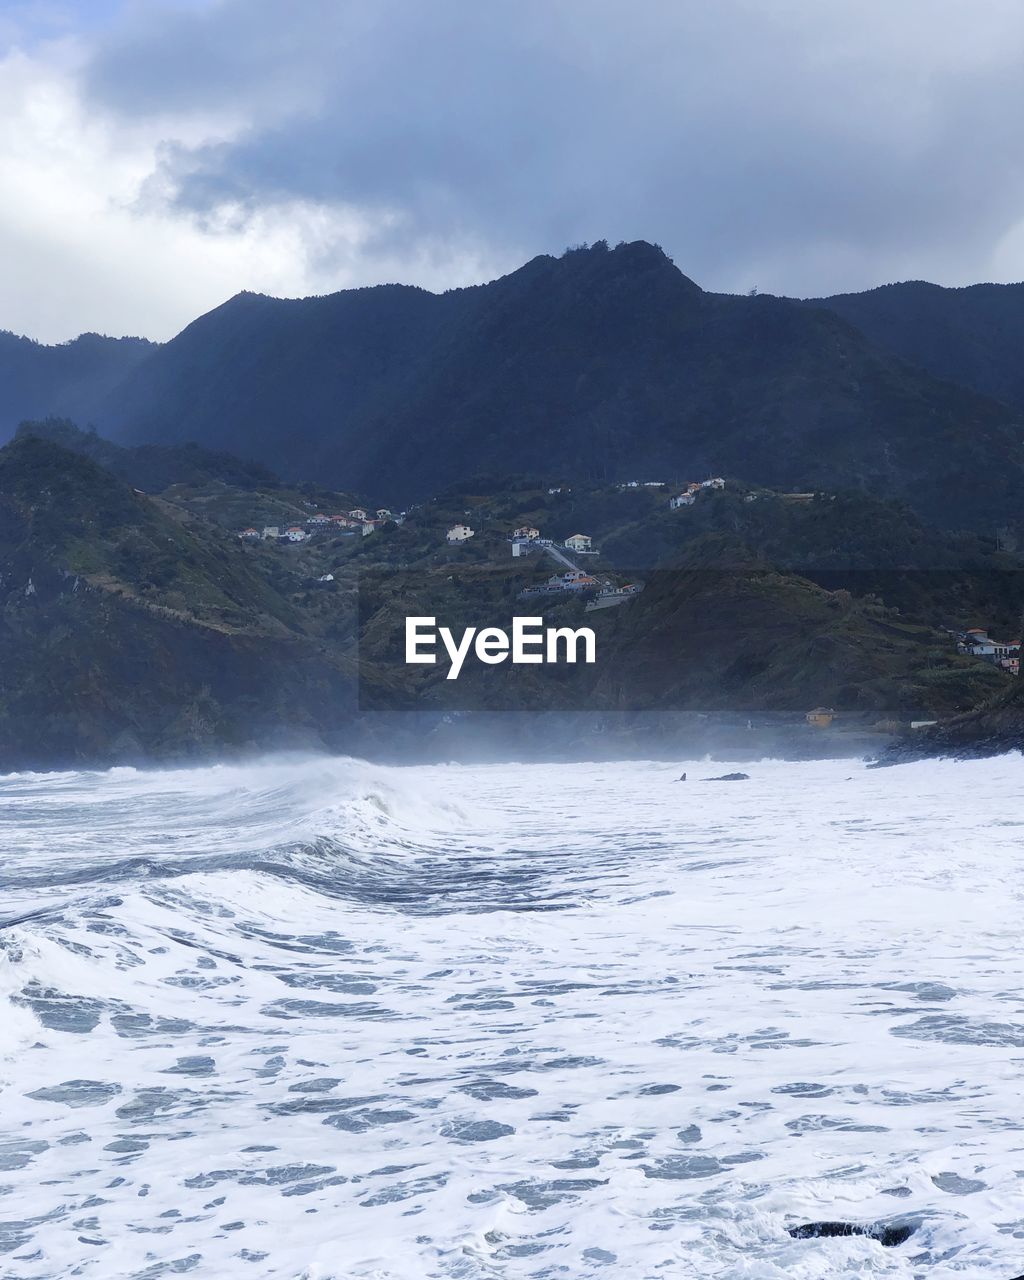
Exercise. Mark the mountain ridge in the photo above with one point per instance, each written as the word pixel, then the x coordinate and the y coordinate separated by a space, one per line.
pixel 69 377
pixel 597 363
pixel 602 363
pixel 969 334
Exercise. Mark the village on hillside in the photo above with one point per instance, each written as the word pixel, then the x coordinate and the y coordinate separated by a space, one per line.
pixel 360 520
pixel 601 592
pixel 596 588
pixel 356 520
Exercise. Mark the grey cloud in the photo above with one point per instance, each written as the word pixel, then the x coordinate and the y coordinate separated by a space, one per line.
pixel 799 146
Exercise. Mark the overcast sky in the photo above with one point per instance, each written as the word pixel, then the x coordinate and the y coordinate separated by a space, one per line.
pixel 157 157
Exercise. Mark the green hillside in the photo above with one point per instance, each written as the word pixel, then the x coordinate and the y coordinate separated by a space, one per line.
pixel 130 630
pixel 139 626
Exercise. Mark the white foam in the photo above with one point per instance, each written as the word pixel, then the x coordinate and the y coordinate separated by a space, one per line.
pixel 818 969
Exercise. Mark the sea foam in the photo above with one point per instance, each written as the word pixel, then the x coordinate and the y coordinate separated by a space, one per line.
pixel 325 1019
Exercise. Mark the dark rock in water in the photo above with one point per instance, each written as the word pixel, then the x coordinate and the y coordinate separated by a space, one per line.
pixel 894 1234
pixel 729 777
pixel 994 728
pixel 887 1234
pixel 817 1230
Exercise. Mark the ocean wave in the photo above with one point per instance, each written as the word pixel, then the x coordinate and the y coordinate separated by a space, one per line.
pixel 318 1018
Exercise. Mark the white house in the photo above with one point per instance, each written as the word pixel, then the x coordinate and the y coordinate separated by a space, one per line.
pixel 681 500
pixel 318 521
pixel 250 535
pixel 460 533
pixel 383 513
pixel 271 531
pixel 326 577
pixel 526 531
pixel 358 513
pixel 295 534
pixel 716 483
pixel 572 580
pixel 979 644
pixel 579 542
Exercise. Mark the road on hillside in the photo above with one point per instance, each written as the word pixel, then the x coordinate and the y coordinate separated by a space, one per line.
pixel 558 554
pixel 561 557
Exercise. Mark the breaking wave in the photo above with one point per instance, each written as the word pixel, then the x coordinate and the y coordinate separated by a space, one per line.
pixel 319 1018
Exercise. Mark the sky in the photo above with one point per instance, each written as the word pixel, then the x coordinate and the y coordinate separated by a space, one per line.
pixel 158 156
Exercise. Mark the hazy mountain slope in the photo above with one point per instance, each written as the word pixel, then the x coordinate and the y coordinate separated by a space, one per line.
pixel 70 378
pixel 133 628
pixel 747 637
pixel 280 380
pixel 974 336
pixel 152 467
pixel 130 632
pixel 601 363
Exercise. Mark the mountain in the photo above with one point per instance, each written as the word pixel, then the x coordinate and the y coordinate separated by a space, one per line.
pixel 720 632
pixel 70 378
pixel 138 627
pixel 152 467
pixel 602 363
pixel 129 631
pixel 748 607
pixel 748 637
pixel 973 336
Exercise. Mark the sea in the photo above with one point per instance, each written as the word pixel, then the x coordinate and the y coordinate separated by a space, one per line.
pixel 323 1019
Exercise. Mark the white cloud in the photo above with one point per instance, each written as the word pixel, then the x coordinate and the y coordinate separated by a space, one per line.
pixel 85 247
pixel 155 165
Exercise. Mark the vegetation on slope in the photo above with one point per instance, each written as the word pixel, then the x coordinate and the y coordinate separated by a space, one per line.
pixel 973 335
pixel 129 630
pixel 599 364
pixel 134 625
pixel 71 377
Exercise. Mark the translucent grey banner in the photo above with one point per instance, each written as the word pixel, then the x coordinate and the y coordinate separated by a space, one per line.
pixel 843 648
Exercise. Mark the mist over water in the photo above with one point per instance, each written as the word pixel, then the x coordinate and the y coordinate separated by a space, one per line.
pixel 325 1019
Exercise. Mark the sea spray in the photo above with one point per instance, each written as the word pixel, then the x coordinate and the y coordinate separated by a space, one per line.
pixel 315 1017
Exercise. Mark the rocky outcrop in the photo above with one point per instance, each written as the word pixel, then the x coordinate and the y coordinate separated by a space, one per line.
pixel 888 1234
pixel 993 729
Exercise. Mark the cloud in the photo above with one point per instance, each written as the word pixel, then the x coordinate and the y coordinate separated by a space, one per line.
pixel 90 240
pixel 799 147
pixel 78 251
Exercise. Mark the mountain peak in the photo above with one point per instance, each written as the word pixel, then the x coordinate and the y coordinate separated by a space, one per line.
pixel 628 255
pixel 600 268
